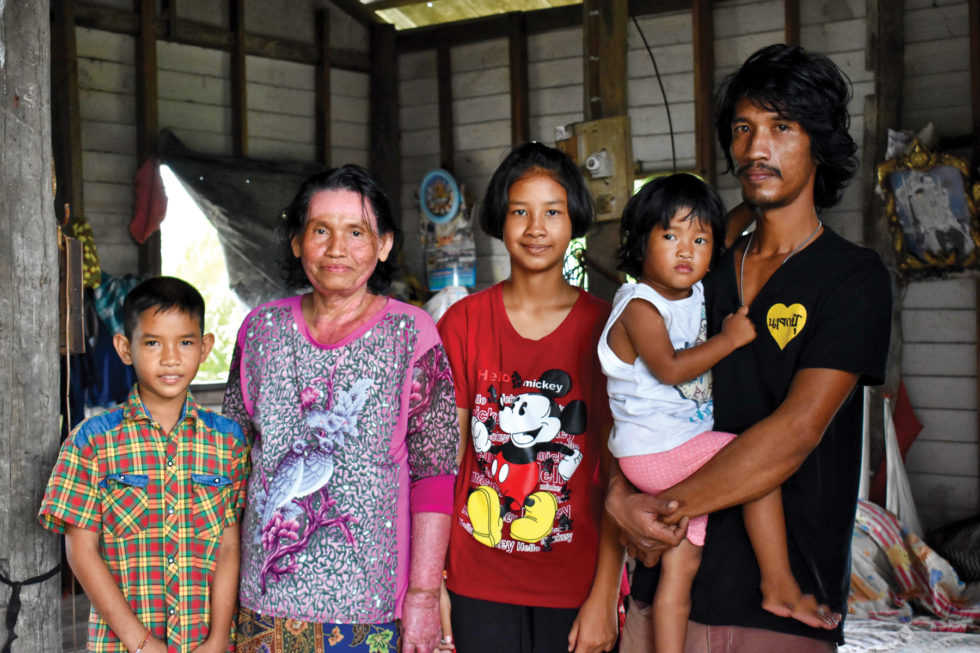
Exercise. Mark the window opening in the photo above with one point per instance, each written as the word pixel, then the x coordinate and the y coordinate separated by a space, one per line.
pixel 190 250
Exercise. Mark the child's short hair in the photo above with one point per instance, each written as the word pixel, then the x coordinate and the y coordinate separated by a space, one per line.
pixel 655 204
pixel 162 294
pixel 531 157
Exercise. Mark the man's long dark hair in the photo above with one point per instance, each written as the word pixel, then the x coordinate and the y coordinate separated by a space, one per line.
pixel 807 88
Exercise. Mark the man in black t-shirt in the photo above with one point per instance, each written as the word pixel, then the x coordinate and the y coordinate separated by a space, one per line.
pixel 822 308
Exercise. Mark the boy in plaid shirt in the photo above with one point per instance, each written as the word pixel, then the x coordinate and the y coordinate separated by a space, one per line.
pixel 149 493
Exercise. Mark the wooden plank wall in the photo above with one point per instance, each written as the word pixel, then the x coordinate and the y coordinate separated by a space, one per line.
pixel 939 360
pixel 107 104
pixel 670 38
pixel 195 103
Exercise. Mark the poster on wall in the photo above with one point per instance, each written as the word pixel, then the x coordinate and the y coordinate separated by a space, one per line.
pixel 447 232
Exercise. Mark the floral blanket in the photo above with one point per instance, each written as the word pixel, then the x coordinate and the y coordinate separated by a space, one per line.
pixel 897 578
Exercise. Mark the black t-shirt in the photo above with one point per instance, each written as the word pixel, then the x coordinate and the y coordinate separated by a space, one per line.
pixel 829 306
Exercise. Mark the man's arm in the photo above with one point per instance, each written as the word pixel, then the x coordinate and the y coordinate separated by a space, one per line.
pixel 764 456
pixel 224 592
pixel 639 517
pixel 751 466
pixel 93 575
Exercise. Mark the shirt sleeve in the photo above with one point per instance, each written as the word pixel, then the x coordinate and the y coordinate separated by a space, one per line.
pixel 234 404
pixel 855 327
pixel 240 468
pixel 433 432
pixel 72 495
pixel 452 330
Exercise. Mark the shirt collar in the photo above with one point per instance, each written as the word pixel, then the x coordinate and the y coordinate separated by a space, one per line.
pixel 136 411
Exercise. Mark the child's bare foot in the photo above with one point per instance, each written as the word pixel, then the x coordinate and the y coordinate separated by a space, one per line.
pixel 814 615
pixel 786 600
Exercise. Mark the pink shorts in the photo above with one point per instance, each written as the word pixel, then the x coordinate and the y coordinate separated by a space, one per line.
pixel 655 472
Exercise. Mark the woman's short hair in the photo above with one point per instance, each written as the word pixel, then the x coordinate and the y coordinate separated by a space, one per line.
pixel 655 205
pixel 535 157
pixel 807 88
pixel 293 221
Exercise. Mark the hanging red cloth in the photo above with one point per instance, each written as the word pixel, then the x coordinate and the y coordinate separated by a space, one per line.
pixel 150 207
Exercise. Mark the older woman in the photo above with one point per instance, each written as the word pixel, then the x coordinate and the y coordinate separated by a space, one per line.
pixel 347 399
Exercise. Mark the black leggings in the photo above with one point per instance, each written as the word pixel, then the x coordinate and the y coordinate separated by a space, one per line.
pixel 491 627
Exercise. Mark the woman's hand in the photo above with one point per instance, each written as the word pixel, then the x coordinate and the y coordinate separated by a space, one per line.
pixel 421 620
pixel 638 516
pixel 596 626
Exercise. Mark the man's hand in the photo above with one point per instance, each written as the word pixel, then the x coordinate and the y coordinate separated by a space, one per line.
pixel 638 517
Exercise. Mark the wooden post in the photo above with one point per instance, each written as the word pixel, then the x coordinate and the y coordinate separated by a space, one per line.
pixel 65 117
pixel 447 142
pixel 147 112
pixel 520 119
pixel 704 73
pixel 792 11
pixel 385 154
pixel 239 91
pixel 28 328
pixel 604 35
pixel 323 139
pixel 975 78
pixel 604 38
pixel 885 37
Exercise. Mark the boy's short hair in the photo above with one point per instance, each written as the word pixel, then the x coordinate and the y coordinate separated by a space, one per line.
pixel 530 158
pixel 655 204
pixel 162 294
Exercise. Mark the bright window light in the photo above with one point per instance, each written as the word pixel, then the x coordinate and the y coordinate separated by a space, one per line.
pixel 190 250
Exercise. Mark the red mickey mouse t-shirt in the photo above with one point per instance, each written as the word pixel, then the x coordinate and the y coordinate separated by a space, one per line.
pixel 528 497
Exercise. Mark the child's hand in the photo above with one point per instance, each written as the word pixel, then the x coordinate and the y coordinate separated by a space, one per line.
pixel 210 646
pixel 154 645
pixel 738 327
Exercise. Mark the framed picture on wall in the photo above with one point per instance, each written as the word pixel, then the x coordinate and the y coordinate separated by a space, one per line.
pixel 932 210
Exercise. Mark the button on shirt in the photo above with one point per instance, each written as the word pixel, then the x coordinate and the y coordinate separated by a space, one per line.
pixel 160 503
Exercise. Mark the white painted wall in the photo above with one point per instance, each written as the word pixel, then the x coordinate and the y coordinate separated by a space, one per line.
pixel 939 320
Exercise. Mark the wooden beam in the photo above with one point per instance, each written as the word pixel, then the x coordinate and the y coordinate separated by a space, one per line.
pixel 385 152
pixel 444 75
pixel 498 26
pixel 28 330
pixel 359 12
pixel 792 10
pixel 704 73
pixel 323 105
pixel 520 115
pixel 187 32
pixel 239 85
pixel 147 122
pixel 65 113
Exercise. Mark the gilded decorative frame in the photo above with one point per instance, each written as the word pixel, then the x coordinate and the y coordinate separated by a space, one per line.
pixel 932 210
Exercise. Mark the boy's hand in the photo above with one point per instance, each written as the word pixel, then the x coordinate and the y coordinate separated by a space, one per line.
pixel 210 646
pixel 154 645
pixel 738 328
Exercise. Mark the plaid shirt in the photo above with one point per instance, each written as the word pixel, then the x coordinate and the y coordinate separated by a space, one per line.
pixel 159 503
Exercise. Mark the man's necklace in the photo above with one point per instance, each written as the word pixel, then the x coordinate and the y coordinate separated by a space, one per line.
pixel 745 253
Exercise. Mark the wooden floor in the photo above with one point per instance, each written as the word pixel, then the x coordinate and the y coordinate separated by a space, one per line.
pixel 74 623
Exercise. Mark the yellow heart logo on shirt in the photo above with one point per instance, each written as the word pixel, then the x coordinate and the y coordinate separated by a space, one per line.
pixel 785 322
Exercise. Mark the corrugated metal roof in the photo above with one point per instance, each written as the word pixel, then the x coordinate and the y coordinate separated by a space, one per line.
pixel 408 14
